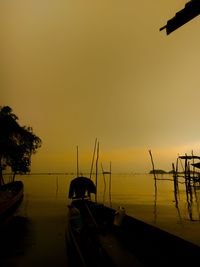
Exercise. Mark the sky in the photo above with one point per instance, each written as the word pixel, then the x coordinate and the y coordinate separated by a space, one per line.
pixel 79 70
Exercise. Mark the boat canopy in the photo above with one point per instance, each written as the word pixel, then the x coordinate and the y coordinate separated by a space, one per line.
pixel 81 187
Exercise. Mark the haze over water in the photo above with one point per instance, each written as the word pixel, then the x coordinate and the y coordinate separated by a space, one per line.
pixel 77 70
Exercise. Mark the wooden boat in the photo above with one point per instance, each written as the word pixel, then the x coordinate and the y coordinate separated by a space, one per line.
pixel 97 235
pixel 11 195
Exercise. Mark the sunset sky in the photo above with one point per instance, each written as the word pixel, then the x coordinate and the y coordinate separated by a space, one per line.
pixel 80 70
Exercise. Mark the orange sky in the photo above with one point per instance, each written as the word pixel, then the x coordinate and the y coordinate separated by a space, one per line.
pixel 80 70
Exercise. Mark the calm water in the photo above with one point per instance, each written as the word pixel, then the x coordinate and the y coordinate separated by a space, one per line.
pixel 36 234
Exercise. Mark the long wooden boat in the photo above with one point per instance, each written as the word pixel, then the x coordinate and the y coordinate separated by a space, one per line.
pixel 11 195
pixel 97 235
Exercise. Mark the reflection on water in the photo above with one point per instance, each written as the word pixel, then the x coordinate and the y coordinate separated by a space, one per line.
pixel 14 240
pixel 36 234
pixel 39 225
pixel 192 201
pixel 164 202
pixel 155 200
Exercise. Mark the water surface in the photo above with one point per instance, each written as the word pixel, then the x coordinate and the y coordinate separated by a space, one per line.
pixel 36 234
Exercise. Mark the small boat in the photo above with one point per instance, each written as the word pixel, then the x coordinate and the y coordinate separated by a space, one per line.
pixel 97 235
pixel 11 195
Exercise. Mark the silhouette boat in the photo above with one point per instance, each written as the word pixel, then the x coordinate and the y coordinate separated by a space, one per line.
pixel 97 235
pixel 11 195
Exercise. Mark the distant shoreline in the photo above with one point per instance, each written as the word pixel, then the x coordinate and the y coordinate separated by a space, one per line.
pixel 81 174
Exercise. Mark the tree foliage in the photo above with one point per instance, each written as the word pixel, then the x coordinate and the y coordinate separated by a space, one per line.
pixel 17 143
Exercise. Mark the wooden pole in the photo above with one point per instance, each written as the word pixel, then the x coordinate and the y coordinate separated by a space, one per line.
pixel 77 167
pixel 193 169
pixel 186 166
pixel 104 180
pixel 175 183
pixel 110 186
pixel 97 169
pixel 155 188
pixel 176 190
pixel 152 164
pixel 93 158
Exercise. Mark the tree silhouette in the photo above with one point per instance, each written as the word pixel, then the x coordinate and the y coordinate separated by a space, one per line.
pixel 17 144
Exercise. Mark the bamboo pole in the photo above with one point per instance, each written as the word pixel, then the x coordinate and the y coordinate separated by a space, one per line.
pixel 77 166
pixel 186 165
pixel 155 188
pixel 110 186
pixel 176 189
pixel 152 164
pixel 104 180
pixel 95 144
pixel 97 169
pixel 175 183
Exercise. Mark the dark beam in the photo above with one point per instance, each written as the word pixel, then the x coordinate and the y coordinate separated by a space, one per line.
pixel 190 11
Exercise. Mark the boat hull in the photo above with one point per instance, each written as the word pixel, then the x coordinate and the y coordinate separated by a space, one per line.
pixel 11 195
pixel 133 243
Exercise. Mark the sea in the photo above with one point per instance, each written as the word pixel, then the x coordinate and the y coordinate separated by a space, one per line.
pixel 35 234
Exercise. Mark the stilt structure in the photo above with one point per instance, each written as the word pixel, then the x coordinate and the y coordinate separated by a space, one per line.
pixel 190 169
